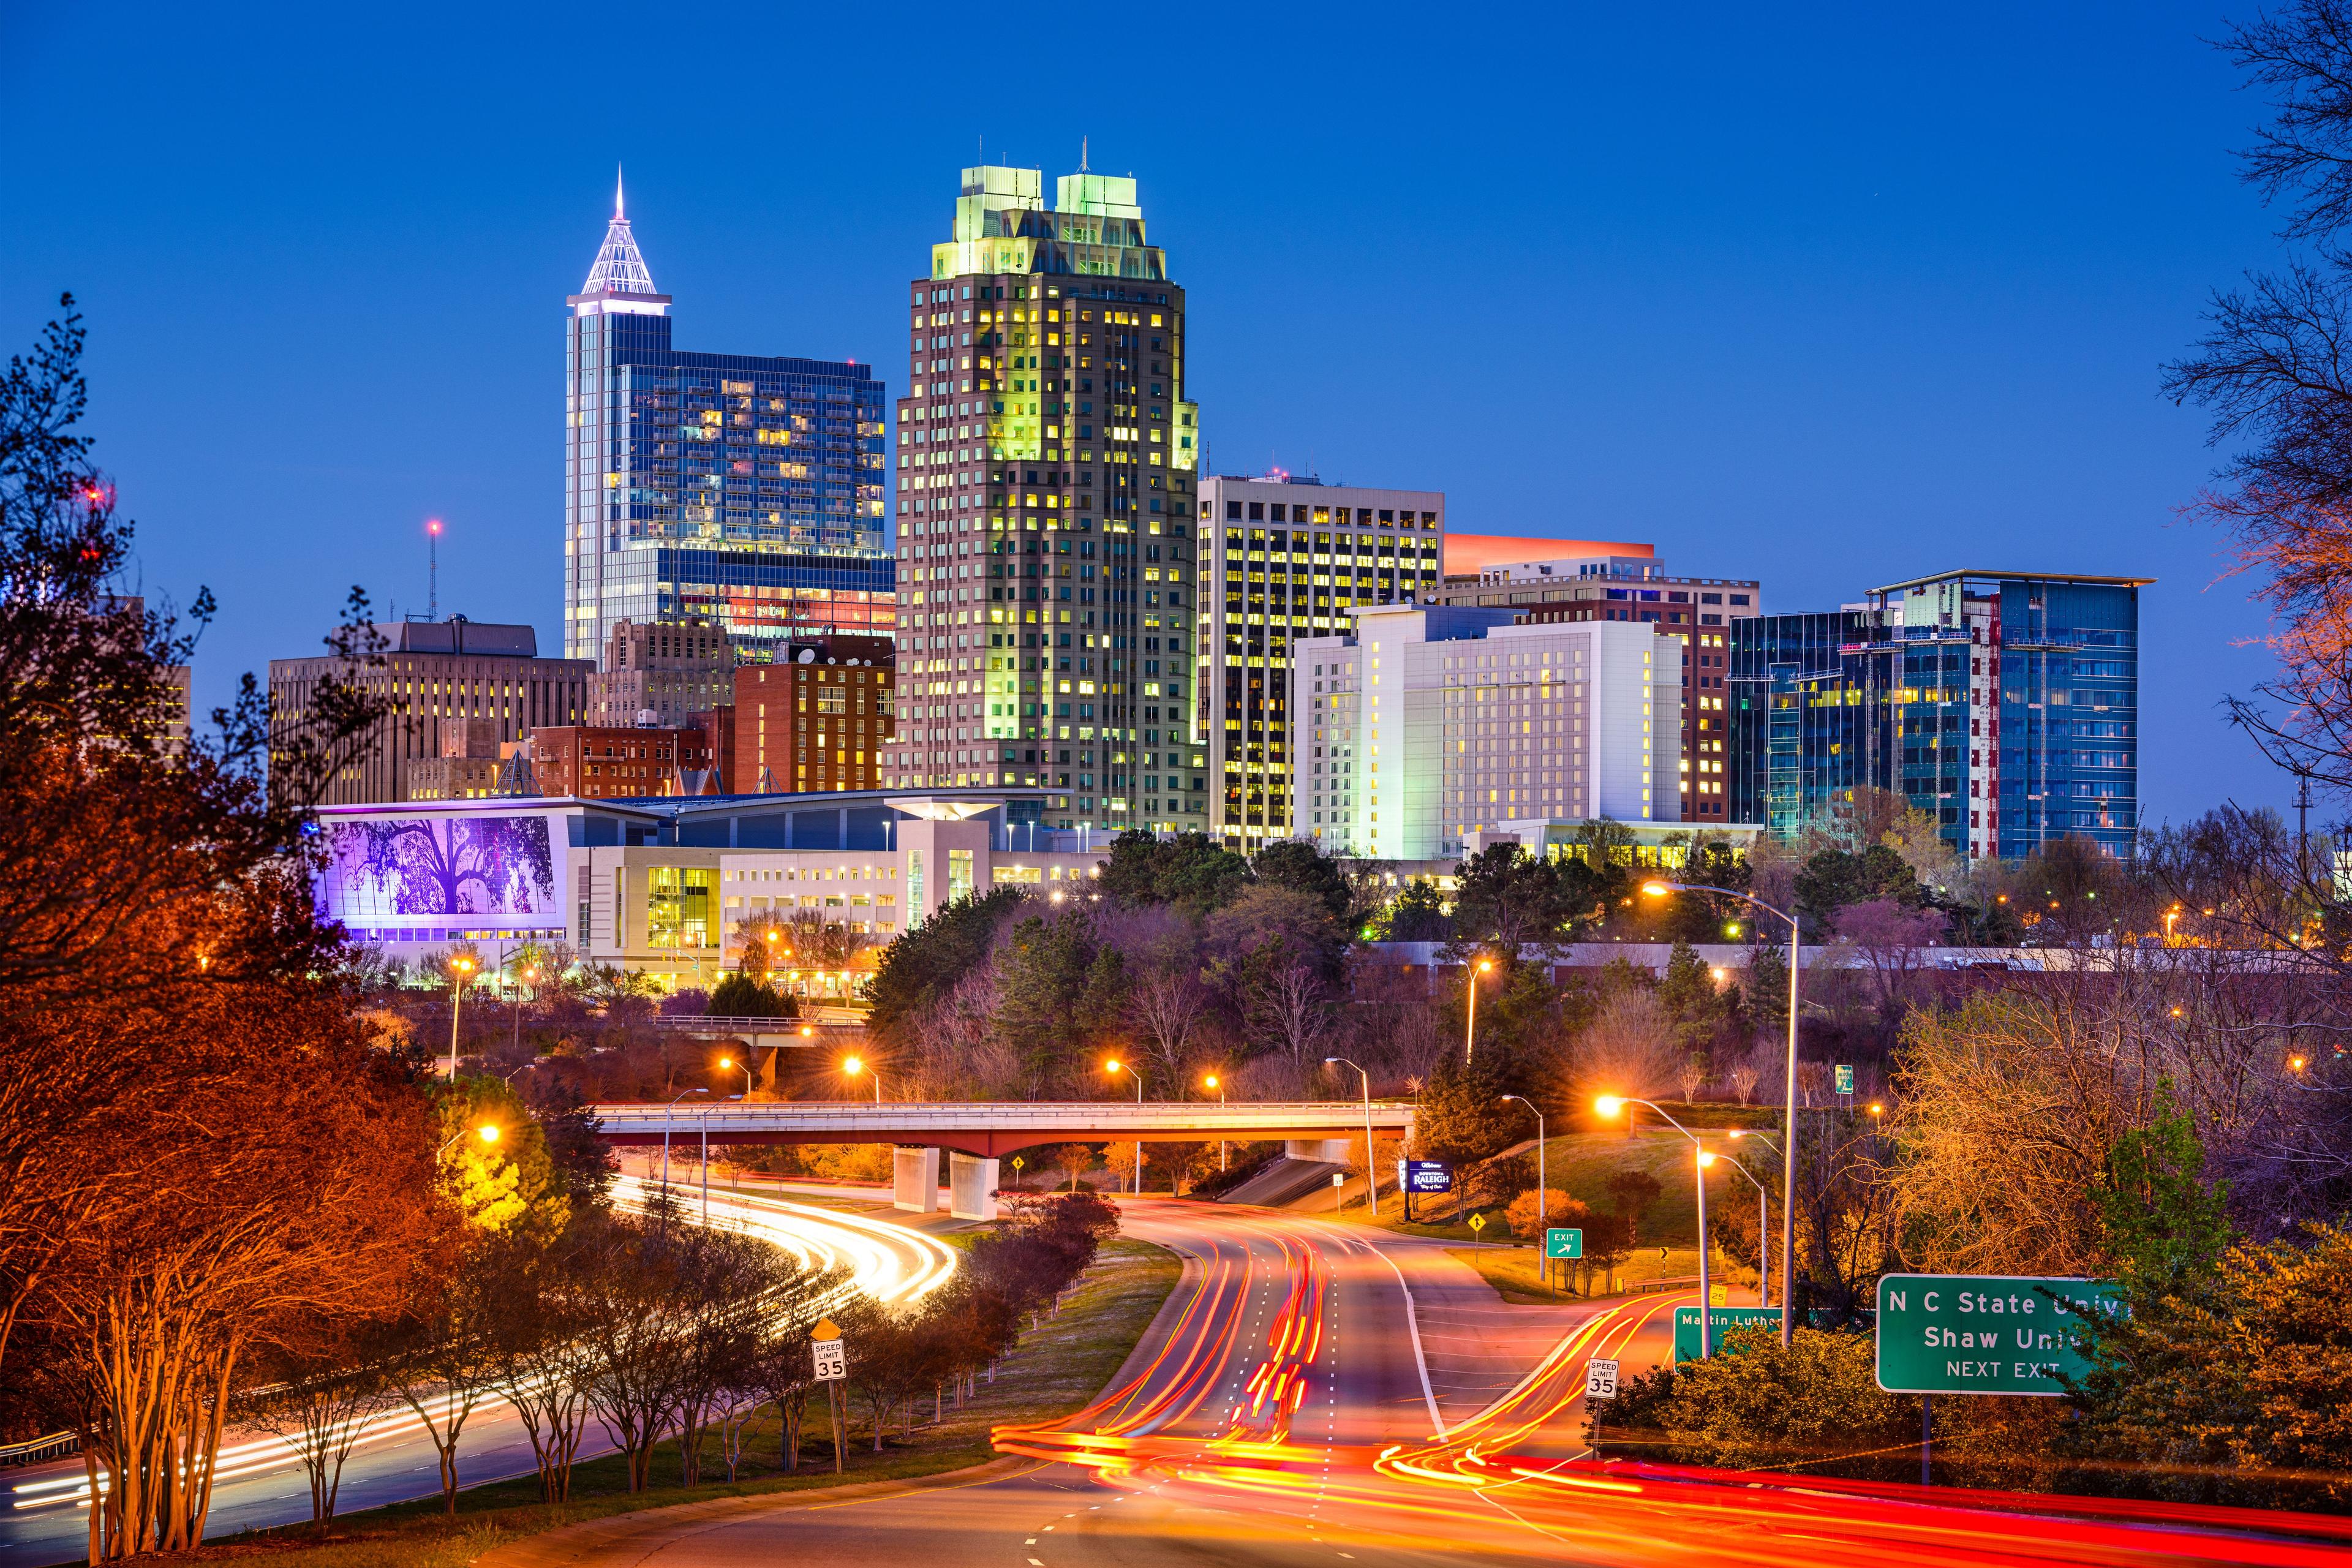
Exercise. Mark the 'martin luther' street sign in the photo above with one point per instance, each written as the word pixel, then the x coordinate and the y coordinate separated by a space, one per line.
pixel 1985 1333
pixel 1719 1322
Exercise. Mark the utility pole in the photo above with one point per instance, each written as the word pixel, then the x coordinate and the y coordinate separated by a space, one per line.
pixel 2303 827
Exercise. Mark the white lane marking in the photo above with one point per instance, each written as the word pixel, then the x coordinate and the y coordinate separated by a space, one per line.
pixel 1428 1396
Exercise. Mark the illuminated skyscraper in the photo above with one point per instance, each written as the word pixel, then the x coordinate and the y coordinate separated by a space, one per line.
pixel 1049 549
pixel 726 489
pixel 1286 559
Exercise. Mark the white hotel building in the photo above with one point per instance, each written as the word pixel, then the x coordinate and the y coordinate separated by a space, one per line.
pixel 1431 725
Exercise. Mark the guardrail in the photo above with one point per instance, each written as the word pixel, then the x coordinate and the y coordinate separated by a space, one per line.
pixel 1644 1287
pixel 40 1450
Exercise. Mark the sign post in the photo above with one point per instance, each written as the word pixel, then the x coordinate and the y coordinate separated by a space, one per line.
pixel 1422 1176
pixel 832 1365
pixel 1986 1334
pixel 1339 1183
pixel 1600 1379
pixel 1562 1244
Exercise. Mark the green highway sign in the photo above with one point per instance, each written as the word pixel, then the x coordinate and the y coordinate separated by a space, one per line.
pixel 1844 1078
pixel 1985 1333
pixel 1719 1322
pixel 1558 1242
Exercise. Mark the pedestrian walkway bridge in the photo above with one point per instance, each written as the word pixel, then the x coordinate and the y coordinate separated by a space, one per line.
pixel 975 1134
pixel 991 1127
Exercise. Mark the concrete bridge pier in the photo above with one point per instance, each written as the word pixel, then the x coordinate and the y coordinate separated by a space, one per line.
pixel 972 1186
pixel 1329 1151
pixel 914 1179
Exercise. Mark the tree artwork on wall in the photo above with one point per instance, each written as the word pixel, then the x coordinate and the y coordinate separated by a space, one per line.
pixel 485 864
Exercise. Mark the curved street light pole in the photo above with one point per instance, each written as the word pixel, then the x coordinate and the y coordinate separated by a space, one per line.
pixel 1470 1034
pixel 1114 1065
pixel 460 967
pixel 1609 1105
pixel 664 1175
pixel 1543 1193
pixel 1213 1082
pixel 1763 1236
pixel 1788 1153
pixel 1371 1168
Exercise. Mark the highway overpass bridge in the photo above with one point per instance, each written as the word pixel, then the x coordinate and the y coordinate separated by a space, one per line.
pixel 978 1133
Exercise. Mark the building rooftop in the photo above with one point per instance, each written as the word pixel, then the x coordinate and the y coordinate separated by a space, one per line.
pixel 2016 576
pixel 458 634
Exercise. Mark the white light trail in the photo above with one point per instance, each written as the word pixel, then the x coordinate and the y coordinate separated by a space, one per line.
pixel 894 1264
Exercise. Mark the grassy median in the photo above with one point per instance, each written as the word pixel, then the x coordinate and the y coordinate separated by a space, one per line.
pixel 1059 1367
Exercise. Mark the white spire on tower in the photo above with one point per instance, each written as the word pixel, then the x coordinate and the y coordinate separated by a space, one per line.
pixel 620 267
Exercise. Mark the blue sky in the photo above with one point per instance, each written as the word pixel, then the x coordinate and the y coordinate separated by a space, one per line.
pixel 1834 300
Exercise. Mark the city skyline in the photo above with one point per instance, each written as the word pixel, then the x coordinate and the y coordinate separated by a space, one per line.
pixel 2008 340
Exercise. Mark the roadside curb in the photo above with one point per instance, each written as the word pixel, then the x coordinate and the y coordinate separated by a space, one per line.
pixel 630 1538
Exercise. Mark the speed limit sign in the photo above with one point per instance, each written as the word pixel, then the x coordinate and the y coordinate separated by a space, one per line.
pixel 1600 1379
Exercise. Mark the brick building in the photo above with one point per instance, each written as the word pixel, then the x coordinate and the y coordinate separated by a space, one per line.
pixel 816 719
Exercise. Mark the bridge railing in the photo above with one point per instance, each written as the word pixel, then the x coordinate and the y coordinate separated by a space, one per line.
pixel 1052 1119
pixel 714 1025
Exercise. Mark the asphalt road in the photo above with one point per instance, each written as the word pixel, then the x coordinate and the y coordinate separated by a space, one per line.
pixel 1278 1412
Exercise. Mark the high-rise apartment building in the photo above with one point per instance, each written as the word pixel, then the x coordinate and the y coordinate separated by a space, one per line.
pixel 1048 579
pixel 668 670
pixel 1426 726
pixel 1287 559
pixel 2004 704
pixel 819 717
pixel 432 676
pixel 1638 589
pixel 734 490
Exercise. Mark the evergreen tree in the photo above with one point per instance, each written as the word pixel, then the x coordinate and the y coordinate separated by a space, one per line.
pixel 1461 1116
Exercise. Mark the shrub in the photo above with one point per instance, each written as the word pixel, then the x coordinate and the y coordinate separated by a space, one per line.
pixel 1816 1404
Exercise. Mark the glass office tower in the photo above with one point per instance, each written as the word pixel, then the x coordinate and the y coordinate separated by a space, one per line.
pixel 731 489
pixel 2004 704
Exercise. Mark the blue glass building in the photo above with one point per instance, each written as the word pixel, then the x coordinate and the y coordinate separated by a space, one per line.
pixel 740 491
pixel 2004 704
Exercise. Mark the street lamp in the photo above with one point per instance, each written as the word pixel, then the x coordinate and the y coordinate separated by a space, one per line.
pixel 743 1067
pixel 664 1175
pixel 1470 1035
pixel 1114 1066
pixel 1763 1230
pixel 488 1134
pixel 1609 1105
pixel 1658 889
pixel 1372 1167
pixel 1213 1082
pixel 853 1066
pixel 462 966
pixel 1543 1193
pixel 531 977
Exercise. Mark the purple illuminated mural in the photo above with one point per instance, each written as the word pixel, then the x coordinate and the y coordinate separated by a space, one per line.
pixel 439 866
